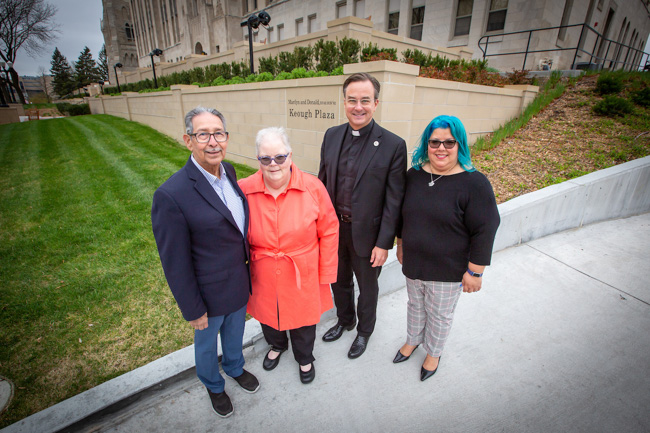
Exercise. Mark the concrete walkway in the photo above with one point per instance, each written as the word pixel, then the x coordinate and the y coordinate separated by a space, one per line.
pixel 557 340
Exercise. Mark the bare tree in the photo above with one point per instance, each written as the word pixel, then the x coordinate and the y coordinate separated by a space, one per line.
pixel 43 79
pixel 26 24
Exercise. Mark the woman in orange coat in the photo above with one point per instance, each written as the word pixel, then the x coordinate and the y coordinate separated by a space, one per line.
pixel 293 237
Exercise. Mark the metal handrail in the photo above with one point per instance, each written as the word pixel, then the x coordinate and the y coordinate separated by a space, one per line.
pixel 599 38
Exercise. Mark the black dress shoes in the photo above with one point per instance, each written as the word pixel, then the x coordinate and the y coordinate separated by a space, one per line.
pixel 269 364
pixel 425 374
pixel 307 376
pixel 358 347
pixel 401 358
pixel 335 332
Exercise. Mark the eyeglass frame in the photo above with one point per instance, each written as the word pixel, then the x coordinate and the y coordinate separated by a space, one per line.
pixel 210 135
pixel 273 159
pixel 364 102
pixel 448 144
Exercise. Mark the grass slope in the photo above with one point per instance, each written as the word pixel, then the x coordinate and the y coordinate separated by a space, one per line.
pixel 82 294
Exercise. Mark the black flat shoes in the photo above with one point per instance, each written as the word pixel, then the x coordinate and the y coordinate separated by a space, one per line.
pixel 307 376
pixel 269 364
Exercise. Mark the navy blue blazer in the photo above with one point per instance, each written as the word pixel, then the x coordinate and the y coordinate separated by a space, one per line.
pixel 203 253
pixel 378 189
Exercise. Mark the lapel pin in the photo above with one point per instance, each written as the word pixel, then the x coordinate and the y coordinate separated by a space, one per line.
pixel 376 143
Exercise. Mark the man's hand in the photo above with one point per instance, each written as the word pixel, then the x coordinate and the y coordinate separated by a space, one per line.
pixel 400 253
pixel 201 323
pixel 378 257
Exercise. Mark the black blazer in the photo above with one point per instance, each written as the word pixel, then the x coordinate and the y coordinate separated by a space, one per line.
pixel 203 253
pixel 378 188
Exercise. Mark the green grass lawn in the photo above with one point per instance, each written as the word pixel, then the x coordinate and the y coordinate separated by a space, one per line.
pixel 83 297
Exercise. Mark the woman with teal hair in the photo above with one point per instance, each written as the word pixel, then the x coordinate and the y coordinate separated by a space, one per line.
pixel 444 242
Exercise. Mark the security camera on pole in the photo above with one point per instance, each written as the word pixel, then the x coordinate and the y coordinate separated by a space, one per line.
pixel 155 52
pixel 253 22
pixel 115 66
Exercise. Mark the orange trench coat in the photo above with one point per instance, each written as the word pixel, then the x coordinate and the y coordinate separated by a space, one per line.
pixel 294 251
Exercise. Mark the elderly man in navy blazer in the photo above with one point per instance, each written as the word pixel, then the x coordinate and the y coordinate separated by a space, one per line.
pixel 200 221
pixel 363 167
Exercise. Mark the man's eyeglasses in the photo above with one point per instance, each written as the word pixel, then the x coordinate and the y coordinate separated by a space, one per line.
pixel 449 144
pixel 204 137
pixel 266 160
pixel 365 102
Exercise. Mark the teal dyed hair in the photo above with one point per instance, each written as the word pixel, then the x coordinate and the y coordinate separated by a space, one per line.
pixel 420 155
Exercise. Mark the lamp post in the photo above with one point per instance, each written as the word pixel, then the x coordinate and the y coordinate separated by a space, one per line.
pixel 117 65
pixel 254 22
pixel 155 52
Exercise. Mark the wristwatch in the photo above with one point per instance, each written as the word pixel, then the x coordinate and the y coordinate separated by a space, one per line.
pixel 475 274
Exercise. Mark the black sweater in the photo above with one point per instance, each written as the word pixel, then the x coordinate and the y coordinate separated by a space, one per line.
pixel 447 225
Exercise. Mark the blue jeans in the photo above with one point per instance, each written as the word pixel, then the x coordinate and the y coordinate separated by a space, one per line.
pixel 231 327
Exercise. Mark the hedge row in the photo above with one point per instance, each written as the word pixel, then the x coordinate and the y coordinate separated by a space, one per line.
pixel 323 59
pixel 72 109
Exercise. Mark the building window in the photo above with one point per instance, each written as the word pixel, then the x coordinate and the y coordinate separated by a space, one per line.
pixel 360 8
pixel 497 15
pixel 300 27
pixel 269 34
pixel 244 6
pixel 417 20
pixel 216 49
pixel 128 29
pixel 312 23
pixel 393 16
pixel 463 17
pixel 280 32
pixel 340 9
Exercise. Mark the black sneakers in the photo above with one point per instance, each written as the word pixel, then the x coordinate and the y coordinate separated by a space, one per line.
pixel 248 382
pixel 221 404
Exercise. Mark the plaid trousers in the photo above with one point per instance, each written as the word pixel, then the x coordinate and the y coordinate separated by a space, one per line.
pixel 430 309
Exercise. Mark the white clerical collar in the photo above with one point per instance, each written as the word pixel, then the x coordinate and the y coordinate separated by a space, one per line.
pixel 356 133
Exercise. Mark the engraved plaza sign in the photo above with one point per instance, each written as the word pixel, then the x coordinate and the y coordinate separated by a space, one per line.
pixel 316 109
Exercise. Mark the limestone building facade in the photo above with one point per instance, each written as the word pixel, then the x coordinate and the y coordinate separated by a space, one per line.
pixel 188 27
pixel 119 36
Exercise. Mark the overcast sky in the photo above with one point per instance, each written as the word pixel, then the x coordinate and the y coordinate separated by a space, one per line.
pixel 79 26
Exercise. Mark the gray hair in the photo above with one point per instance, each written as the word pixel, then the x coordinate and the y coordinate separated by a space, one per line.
pixel 189 128
pixel 273 131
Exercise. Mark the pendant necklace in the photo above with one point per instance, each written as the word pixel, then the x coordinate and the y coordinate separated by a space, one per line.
pixel 433 181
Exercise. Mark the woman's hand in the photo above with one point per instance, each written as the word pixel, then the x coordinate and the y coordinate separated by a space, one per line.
pixel 472 284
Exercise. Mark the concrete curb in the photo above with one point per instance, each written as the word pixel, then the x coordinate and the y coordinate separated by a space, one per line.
pixel 614 192
pixel 6 393
pixel 607 194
